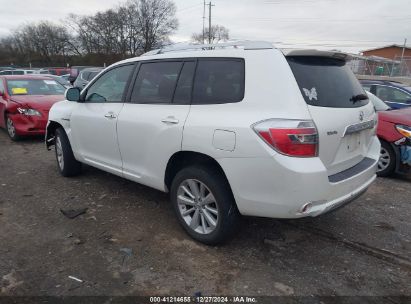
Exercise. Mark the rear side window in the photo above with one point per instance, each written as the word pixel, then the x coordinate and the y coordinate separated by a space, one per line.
pixel 219 81
pixel 326 82
pixel 156 82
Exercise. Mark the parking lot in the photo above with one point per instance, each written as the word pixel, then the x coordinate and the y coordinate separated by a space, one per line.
pixel 129 241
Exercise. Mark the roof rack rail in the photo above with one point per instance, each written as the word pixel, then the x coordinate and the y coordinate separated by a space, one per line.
pixel 245 44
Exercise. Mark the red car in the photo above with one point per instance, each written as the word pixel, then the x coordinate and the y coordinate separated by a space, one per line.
pixel 25 102
pixel 394 132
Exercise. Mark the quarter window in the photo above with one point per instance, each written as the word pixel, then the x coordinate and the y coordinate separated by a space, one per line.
pixel 219 81
pixel 110 86
pixel 156 82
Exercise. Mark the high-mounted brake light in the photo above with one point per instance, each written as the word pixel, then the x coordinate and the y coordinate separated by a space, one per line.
pixel 290 137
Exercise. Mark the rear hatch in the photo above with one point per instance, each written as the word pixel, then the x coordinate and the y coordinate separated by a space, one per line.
pixel 338 106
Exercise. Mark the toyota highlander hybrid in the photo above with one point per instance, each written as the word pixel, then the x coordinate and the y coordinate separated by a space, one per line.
pixel 228 130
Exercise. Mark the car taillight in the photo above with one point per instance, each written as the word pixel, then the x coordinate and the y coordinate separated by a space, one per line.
pixel 290 137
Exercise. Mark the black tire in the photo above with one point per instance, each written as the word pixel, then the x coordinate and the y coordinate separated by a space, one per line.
pixel 228 216
pixel 11 130
pixel 69 166
pixel 387 161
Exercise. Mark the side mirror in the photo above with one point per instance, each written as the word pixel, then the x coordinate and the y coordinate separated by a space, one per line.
pixel 73 94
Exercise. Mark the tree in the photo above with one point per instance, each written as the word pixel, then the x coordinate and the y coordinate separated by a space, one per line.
pixel 155 21
pixel 135 27
pixel 130 29
pixel 43 41
pixel 218 33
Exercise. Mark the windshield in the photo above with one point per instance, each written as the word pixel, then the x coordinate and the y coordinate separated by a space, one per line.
pixel 34 87
pixel 327 82
pixel 379 105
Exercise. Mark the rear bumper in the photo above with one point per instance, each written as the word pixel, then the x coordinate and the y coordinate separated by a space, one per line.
pixel 29 125
pixel 280 186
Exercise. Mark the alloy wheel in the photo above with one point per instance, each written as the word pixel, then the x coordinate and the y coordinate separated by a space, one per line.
pixel 198 206
pixel 59 153
pixel 10 128
pixel 385 159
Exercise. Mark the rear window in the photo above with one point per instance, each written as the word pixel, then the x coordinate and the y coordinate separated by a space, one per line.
pixel 326 82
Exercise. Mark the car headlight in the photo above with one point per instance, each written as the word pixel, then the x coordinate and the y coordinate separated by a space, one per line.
pixel 28 112
pixel 404 130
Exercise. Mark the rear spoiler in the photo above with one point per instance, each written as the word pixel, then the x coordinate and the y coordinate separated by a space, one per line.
pixel 317 53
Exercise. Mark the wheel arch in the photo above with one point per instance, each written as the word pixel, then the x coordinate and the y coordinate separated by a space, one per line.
pixel 183 159
pixel 52 126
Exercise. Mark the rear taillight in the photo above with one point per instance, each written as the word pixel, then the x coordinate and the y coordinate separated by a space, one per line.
pixel 290 137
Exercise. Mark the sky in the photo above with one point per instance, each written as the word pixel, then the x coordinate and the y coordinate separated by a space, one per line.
pixel 346 25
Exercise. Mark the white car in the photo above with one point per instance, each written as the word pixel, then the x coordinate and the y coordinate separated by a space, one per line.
pixel 229 130
pixel 17 72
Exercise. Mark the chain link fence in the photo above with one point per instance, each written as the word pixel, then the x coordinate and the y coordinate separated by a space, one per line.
pixel 379 66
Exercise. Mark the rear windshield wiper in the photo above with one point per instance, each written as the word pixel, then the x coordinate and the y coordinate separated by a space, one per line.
pixel 358 97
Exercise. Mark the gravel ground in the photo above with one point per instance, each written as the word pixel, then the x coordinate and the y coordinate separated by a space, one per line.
pixel 130 243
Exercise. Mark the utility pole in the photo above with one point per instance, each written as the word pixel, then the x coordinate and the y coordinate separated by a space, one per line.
pixel 204 8
pixel 402 55
pixel 209 22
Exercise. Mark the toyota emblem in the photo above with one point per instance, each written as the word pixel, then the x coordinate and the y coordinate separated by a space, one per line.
pixel 361 116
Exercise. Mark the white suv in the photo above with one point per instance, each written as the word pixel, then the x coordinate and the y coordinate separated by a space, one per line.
pixel 239 128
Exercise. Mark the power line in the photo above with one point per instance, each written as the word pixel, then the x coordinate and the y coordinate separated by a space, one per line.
pixel 188 7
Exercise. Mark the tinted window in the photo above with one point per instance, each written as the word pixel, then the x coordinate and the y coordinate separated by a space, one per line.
pixel 84 75
pixel 392 94
pixel 183 90
pixel 326 82
pixel 18 72
pixel 219 81
pixel 110 86
pixel 91 75
pixel 156 82
pixel 366 87
pixel 379 105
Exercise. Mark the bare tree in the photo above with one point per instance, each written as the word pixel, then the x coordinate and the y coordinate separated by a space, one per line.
pixel 130 29
pixel 155 21
pixel 134 27
pixel 218 33
pixel 44 41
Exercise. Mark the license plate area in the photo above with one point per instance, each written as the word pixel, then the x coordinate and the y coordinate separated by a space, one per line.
pixel 353 142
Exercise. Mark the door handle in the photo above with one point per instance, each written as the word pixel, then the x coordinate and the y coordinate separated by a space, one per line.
pixel 170 120
pixel 110 115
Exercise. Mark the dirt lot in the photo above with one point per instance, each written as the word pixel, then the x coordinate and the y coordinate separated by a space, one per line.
pixel 362 249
